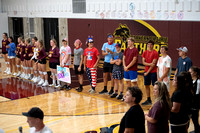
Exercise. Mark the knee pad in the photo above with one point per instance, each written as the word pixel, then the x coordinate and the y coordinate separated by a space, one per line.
pixel 18 66
pixel 40 72
pixel 44 73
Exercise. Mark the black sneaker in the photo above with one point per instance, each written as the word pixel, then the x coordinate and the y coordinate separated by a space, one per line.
pixel 113 95
pixel 119 96
pixel 68 88
pixel 110 92
pixel 103 92
pixel 79 89
pixel 63 87
pixel 147 102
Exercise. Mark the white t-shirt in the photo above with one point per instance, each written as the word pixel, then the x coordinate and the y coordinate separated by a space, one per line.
pixel 64 51
pixel 44 130
pixel 198 86
pixel 164 63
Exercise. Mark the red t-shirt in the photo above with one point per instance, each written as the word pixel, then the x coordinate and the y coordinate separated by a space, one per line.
pixel 129 54
pixel 91 56
pixel 149 57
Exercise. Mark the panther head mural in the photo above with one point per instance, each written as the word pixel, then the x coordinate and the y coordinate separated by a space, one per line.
pixel 122 31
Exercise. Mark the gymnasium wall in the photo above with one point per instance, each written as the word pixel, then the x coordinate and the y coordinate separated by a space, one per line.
pixel 178 33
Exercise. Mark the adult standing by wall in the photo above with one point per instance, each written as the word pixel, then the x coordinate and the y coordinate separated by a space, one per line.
pixel 149 59
pixel 107 50
pixel 184 62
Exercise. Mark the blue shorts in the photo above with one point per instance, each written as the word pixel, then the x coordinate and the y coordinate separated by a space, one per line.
pixel 117 75
pixel 130 76
pixel 150 78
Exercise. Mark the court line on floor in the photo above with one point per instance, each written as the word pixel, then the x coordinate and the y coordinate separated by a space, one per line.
pixel 60 118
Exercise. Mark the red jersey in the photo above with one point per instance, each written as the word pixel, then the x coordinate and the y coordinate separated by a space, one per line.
pixel 129 54
pixel 4 44
pixel 149 57
pixel 91 56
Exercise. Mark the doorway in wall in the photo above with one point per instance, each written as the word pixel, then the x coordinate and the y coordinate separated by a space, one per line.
pixel 17 28
pixel 50 31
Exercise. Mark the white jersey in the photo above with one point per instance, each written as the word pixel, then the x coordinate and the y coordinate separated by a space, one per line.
pixel 164 63
pixel 44 130
pixel 35 53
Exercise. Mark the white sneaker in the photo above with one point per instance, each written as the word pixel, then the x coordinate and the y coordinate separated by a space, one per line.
pixel 15 74
pixel 29 77
pixel 22 75
pixel 92 91
pixel 33 78
pixel 18 74
pixel 8 72
pixel 58 86
pixel 52 85
pixel 26 76
pixel 45 84
pixel 41 82
pixel 39 78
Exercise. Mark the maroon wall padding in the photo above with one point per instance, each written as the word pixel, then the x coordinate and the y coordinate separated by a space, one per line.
pixel 179 34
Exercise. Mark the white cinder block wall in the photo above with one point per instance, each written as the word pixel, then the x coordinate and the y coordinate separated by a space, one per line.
pixel 186 10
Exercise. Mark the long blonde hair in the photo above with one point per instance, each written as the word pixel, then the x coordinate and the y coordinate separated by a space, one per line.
pixel 41 44
pixel 163 95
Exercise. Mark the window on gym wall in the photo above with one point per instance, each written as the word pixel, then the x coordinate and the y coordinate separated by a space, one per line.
pixel 79 6
pixel 31 27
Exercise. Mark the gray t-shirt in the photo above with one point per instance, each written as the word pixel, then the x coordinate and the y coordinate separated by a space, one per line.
pixel 77 56
pixel 116 56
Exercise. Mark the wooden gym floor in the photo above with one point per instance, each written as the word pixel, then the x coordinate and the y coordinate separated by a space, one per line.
pixel 65 111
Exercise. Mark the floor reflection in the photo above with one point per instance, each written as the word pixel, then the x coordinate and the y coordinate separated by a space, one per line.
pixel 14 88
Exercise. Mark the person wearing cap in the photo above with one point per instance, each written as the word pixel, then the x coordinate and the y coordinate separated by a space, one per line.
pixel 65 59
pixel 78 63
pixel 35 118
pixel 164 65
pixel 117 72
pixel 130 63
pixel 91 59
pixel 184 62
pixel 149 59
pixel 107 50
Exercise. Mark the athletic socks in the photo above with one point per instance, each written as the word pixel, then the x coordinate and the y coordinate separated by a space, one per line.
pixel 81 86
pixel 105 88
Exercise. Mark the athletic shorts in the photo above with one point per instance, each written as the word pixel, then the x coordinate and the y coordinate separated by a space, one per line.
pixel 107 67
pixel 18 56
pixel 11 57
pixel 76 70
pixel 4 52
pixel 34 59
pixel 53 65
pixel 117 75
pixel 150 78
pixel 130 76
pixel 43 61
pixel 27 59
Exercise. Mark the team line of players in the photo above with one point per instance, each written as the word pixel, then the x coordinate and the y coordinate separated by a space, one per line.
pixel 31 63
